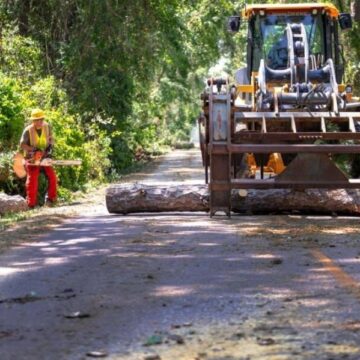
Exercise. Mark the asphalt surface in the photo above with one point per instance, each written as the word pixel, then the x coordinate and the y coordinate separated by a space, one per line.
pixel 184 286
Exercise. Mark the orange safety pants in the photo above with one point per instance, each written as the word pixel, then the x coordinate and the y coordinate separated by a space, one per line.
pixel 33 173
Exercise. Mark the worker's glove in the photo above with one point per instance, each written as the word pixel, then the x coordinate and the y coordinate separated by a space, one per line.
pixel 35 155
pixel 33 151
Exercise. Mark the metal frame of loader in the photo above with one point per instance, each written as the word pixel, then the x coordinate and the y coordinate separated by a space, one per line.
pixel 318 171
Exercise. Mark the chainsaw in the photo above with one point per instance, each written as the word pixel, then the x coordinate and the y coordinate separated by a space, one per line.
pixel 38 160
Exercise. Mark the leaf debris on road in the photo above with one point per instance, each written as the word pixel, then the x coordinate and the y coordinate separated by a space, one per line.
pixel 77 315
pixel 97 354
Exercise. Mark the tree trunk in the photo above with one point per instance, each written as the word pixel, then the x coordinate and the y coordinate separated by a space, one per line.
pixel 23 17
pixel 134 198
pixel 355 7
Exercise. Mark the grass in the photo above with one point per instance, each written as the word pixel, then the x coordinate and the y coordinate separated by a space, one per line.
pixel 10 219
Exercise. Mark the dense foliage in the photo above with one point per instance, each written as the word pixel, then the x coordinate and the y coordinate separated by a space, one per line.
pixel 118 79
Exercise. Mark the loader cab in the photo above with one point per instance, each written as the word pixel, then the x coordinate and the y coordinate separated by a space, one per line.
pixel 269 40
pixel 267 37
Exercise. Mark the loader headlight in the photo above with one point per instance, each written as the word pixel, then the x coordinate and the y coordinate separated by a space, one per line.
pixel 243 193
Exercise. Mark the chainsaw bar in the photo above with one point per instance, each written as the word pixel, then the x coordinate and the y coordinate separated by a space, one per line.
pixel 20 162
pixel 51 162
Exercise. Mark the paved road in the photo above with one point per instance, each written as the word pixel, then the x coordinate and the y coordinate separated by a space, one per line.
pixel 183 286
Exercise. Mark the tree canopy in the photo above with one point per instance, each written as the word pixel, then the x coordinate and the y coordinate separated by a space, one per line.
pixel 118 78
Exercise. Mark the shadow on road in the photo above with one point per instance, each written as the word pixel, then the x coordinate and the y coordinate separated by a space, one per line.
pixel 143 274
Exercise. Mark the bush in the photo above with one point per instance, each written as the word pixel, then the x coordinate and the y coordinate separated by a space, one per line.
pixel 71 142
pixel 21 57
pixel 8 180
pixel 11 118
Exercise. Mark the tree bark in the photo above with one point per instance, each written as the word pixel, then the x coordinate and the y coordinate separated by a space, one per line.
pixel 135 198
pixel 355 7
pixel 23 17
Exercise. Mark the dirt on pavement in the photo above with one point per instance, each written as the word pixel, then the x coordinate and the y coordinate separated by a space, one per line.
pixel 181 285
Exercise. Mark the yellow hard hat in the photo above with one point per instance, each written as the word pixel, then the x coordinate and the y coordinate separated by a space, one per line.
pixel 37 114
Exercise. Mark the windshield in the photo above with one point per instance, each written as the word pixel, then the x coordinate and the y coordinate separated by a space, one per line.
pixel 271 40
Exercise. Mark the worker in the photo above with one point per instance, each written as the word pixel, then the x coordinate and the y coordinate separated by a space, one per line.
pixel 37 142
pixel 278 54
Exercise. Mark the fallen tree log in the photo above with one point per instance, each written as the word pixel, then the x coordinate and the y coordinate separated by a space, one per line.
pixel 132 198
pixel 135 198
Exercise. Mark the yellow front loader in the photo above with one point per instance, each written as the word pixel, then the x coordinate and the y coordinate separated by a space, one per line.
pixel 288 112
